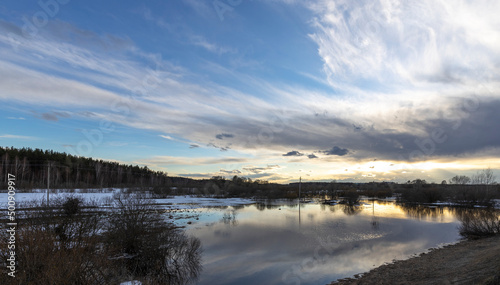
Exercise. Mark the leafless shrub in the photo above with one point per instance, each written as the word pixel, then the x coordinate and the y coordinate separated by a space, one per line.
pixel 73 242
pixel 150 249
pixel 479 222
pixel 57 245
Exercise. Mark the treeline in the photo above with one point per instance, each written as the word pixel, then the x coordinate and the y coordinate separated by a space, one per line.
pixel 462 190
pixel 33 168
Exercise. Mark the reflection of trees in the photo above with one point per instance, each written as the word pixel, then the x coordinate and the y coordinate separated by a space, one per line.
pixel 264 206
pixel 332 208
pixel 238 207
pixel 351 210
pixel 422 212
pixel 229 218
pixel 260 206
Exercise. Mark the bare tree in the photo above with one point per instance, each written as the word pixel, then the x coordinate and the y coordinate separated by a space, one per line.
pixel 485 177
pixel 460 179
pixel 489 177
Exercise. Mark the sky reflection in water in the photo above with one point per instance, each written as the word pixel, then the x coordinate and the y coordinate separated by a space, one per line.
pixel 259 244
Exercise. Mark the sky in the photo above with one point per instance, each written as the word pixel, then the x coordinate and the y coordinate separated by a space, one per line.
pixel 273 90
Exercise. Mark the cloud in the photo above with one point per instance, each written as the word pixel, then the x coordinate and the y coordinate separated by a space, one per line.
pixel 395 86
pixel 405 44
pixel 230 172
pixel 196 175
pixel 9 136
pixel 167 137
pixel 336 151
pixel 223 135
pixel 293 153
pixel 221 148
pixel 193 145
pixel 312 156
pixel 54 116
pixel 258 170
pixel 173 160
pixel 16 118
pixel 49 117
pixel 211 47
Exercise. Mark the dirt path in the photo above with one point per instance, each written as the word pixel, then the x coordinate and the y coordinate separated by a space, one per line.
pixel 468 262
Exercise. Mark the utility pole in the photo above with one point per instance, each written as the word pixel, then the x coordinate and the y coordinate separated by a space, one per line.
pixel 300 183
pixel 48 182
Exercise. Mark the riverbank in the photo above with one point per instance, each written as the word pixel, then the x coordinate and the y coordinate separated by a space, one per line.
pixel 468 262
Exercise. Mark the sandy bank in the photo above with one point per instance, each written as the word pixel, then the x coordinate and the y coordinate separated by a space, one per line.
pixel 468 262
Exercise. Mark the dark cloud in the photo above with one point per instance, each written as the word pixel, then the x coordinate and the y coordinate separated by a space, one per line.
pixel 230 172
pixel 293 153
pixel 221 148
pixel 223 135
pixel 49 117
pixel 466 132
pixel 311 156
pixel 10 28
pixel 62 114
pixel 53 116
pixel 193 145
pixel 466 128
pixel 258 170
pixel 336 151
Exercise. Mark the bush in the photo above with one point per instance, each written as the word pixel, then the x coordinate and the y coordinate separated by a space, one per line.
pixel 479 222
pixel 53 247
pixel 73 243
pixel 145 246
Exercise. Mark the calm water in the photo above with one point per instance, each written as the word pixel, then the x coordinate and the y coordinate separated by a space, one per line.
pixel 273 244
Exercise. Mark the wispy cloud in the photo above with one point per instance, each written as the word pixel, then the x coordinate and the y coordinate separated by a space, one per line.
pixel 406 44
pixel 173 160
pixel 258 170
pixel 9 136
pixel 398 87
pixel 200 41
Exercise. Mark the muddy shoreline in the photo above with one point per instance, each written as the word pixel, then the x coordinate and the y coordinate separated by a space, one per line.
pixel 468 262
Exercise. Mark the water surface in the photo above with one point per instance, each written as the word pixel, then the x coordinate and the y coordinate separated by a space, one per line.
pixel 273 244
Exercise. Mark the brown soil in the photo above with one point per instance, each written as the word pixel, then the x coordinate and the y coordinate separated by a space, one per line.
pixel 468 262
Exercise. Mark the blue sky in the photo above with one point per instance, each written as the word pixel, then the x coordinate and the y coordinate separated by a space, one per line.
pixel 274 90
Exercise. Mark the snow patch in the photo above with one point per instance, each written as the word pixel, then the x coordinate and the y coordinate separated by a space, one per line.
pixel 135 282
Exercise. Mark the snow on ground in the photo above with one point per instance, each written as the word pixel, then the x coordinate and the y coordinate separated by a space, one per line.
pixel 135 282
pixel 191 202
pixel 497 203
pixel 175 202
